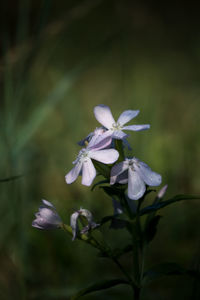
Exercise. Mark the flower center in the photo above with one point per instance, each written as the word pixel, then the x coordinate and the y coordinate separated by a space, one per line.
pixel 132 162
pixel 82 156
pixel 116 126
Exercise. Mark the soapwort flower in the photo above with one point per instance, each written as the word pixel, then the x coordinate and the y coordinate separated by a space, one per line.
pixel 115 129
pixel 74 222
pixel 47 217
pixel 84 165
pixel 98 132
pixel 137 174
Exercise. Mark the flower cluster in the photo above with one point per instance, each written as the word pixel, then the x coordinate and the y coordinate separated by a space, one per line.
pixel 99 147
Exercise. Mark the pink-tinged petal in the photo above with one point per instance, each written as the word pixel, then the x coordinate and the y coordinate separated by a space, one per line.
pixel 136 127
pixel 126 116
pixel 136 186
pixel 150 178
pixel 47 203
pixel 107 156
pixel 117 170
pixel 101 141
pixel 88 172
pixel 73 174
pixel 104 116
pixel 119 135
pixel 162 191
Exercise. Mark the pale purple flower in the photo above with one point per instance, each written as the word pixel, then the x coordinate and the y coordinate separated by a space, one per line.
pixel 74 222
pixel 84 165
pixel 98 132
pixel 137 174
pixel 115 129
pixel 47 217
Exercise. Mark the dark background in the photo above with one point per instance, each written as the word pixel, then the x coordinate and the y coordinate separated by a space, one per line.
pixel 58 59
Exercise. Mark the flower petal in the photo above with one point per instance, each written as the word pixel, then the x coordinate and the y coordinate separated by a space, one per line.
pixel 117 170
pixel 136 127
pixel 136 186
pixel 47 203
pixel 101 141
pixel 150 178
pixel 88 172
pixel 103 115
pixel 74 224
pixel 107 156
pixel 73 174
pixel 119 135
pixel 126 116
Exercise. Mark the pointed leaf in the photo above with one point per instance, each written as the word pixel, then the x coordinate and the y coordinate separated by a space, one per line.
pixel 105 284
pixel 99 183
pixel 168 269
pixel 157 206
pixel 11 178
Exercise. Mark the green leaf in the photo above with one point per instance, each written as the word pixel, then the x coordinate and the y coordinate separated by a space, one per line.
pixel 105 284
pixel 99 183
pixel 167 269
pixel 151 229
pixel 115 190
pixel 119 252
pixel 102 169
pixel 11 178
pixel 157 206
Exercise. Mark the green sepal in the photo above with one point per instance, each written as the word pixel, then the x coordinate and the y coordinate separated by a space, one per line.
pixel 105 284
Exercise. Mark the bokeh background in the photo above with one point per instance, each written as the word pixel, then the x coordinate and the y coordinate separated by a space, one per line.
pixel 58 59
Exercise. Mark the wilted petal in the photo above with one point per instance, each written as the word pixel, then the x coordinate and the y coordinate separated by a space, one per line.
pixel 136 186
pixel 73 174
pixel 126 116
pixel 47 217
pixel 104 116
pixel 88 172
pixel 74 224
pixel 119 135
pixel 107 156
pixel 117 170
pixel 150 178
pixel 136 127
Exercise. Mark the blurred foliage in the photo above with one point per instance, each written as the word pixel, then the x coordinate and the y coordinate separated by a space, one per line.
pixel 58 59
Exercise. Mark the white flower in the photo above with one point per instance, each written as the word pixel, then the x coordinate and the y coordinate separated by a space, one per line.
pixel 137 174
pixel 84 165
pixel 104 116
pixel 47 217
pixel 74 222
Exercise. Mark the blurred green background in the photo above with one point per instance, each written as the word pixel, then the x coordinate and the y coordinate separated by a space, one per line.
pixel 58 59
